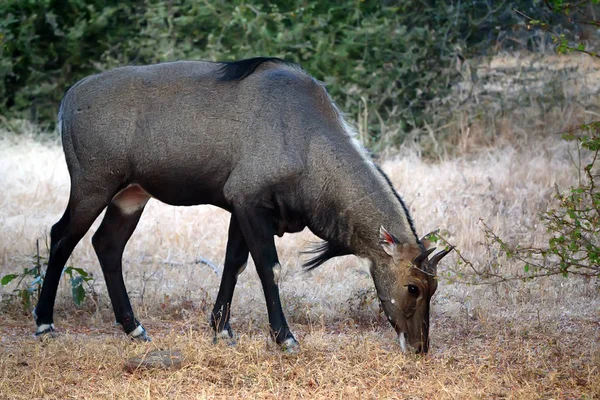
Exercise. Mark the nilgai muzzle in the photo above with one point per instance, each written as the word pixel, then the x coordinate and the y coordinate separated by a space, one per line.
pixel 259 138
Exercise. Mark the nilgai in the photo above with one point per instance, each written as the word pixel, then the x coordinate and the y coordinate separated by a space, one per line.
pixel 259 138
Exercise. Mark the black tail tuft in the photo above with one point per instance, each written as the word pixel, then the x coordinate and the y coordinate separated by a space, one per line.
pixel 238 70
pixel 324 251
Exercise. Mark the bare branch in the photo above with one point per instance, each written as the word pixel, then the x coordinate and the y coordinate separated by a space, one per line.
pixel 589 53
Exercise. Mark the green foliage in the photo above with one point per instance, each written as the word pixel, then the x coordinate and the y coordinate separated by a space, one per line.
pixel 30 281
pixel 573 225
pixel 48 45
pixel 578 14
pixel 77 277
pixel 382 60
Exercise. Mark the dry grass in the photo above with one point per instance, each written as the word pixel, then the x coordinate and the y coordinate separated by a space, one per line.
pixel 539 339
pixel 492 361
pixel 515 98
pixel 534 340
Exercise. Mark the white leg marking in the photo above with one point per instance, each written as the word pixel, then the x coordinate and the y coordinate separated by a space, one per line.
pixel 138 332
pixel 44 327
pixel 224 334
pixel 242 269
pixel 277 273
pixel 290 346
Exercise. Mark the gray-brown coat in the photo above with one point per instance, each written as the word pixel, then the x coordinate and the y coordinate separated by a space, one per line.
pixel 259 138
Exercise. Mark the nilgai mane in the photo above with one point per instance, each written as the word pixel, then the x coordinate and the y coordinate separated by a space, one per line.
pixel 259 138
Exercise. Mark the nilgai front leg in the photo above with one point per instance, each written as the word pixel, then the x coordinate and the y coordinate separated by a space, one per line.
pixel 236 258
pixel 257 225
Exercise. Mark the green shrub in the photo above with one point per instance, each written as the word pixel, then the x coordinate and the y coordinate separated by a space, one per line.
pixel 382 60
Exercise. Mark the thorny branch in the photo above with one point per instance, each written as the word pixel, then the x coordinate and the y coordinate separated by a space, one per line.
pixel 573 227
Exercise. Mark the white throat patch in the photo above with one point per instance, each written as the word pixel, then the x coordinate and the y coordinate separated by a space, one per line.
pixel 403 344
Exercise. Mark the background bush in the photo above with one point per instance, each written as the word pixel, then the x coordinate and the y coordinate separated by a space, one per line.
pixel 381 60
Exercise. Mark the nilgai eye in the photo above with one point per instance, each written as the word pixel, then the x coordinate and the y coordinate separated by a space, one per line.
pixel 412 289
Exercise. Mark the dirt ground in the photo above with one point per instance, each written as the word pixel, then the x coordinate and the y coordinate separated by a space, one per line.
pixel 538 339
pixel 492 358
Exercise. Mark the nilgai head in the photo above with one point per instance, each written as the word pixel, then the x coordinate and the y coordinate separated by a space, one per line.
pixel 405 279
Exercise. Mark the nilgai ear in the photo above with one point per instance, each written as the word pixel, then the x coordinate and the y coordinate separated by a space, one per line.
pixel 388 242
pixel 425 239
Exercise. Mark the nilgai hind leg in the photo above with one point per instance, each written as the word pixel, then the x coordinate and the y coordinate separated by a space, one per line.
pixel 86 202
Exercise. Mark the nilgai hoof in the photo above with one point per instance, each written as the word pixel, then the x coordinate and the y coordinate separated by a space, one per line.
pixel 156 359
pixel 142 338
pixel 225 336
pixel 46 332
pixel 290 346
pixel 139 335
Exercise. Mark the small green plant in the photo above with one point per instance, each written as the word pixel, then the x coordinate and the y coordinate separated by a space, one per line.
pixel 30 281
pixel 77 277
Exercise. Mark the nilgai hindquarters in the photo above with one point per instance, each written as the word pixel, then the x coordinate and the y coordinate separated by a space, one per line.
pixel 259 138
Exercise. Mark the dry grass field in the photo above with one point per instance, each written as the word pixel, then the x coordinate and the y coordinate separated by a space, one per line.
pixel 537 339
